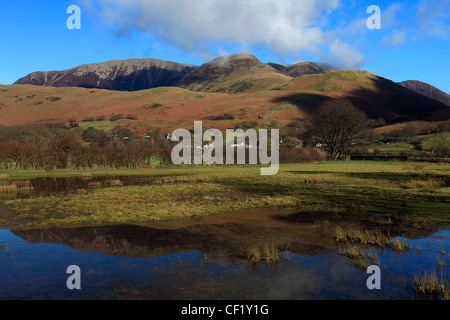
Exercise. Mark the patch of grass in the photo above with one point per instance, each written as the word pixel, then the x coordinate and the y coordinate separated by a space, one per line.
pixel 254 255
pixel 362 263
pixel 427 184
pixel 187 191
pixel 430 284
pixel 269 254
pixel 115 183
pixel 433 141
pixel 399 245
pixel 16 186
pixel 352 252
pixel 361 258
pixel 357 235
pixel 441 263
pixel 100 125
pixel 8 188
pixel 365 237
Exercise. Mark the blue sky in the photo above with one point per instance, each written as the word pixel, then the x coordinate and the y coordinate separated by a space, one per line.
pixel 412 44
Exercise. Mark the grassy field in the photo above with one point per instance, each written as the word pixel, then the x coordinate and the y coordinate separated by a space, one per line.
pixel 430 142
pixel 99 125
pixel 420 191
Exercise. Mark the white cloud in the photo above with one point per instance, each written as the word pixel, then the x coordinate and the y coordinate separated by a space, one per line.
pixel 285 27
pixel 433 18
pixel 390 15
pixel 343 56
pixel 397 38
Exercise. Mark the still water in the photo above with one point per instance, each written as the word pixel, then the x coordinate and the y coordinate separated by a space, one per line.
pixel 206 258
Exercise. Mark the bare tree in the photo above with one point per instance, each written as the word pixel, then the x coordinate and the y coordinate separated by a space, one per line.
pixel 335 125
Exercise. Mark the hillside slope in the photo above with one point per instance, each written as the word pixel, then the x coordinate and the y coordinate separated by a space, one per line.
pixel 233 74
pixel 126 75
pixel 376 96
pixel 172 107
pixel 427 90
pixel 223 93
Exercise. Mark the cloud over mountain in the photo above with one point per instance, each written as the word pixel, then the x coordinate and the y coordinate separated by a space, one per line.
pixel 285 27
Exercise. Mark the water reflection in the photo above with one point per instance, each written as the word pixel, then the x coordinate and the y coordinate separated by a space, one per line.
pixel 49 186
pixel 206 258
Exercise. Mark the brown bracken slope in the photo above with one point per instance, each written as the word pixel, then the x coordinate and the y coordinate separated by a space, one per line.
pixel 239 86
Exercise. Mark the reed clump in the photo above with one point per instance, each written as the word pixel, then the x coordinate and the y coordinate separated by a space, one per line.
pixel 430 284
pixel 361 258
pixel 269 254
pixel 365 237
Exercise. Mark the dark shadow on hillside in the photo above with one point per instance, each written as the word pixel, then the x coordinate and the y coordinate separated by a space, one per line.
pixel 393 102
pixel 305 102
pixel 142 79
pixel 384 99
pixel 153 77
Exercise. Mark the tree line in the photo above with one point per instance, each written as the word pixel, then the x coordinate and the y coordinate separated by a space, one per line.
pixel 336 127
pixel 55 148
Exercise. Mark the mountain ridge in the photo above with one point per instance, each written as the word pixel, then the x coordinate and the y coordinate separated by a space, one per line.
pixel 227 74
pixel 427 90
pixel 120 75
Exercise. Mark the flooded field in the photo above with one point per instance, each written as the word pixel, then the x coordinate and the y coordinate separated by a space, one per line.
pixel 208 233
pixel 252 254
pixel 57 186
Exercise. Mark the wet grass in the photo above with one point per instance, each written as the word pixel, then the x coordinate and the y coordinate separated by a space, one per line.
pixel 365 237
pixel 269 254
pixel 361 257
pixel 429 284
pixel 186 192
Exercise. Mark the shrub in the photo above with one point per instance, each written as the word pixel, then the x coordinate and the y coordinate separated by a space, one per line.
pixel 301 155
pixel 53 99
pixel 131 117
pixel 116 117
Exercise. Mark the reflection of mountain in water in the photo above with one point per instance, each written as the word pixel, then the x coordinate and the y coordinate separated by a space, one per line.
pixel 231 240
pixel 230 236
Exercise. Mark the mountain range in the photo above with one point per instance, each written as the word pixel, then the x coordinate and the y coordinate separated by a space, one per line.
pixel 126 75
pixel 168 95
